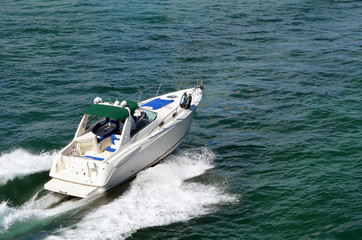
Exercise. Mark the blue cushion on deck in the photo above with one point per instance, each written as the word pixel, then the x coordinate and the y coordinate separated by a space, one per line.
pixel 109 149
pixel 157 103
pixel 95 158
pixel 113 138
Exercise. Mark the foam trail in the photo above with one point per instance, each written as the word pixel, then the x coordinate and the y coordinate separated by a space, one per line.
pixel 9 215
pixel 158 196
pixel 20 163
pixel 36 209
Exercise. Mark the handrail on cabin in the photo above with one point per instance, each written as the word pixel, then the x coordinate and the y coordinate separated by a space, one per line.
pixel 139 93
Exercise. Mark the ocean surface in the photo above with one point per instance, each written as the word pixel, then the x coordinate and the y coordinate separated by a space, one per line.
pixel 274 151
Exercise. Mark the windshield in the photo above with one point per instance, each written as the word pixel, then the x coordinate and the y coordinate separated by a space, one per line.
pixel 93 119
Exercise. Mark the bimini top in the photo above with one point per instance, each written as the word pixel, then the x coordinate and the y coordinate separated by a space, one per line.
pixel 112 111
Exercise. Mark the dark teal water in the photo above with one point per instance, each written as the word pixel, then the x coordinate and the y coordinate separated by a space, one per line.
pixel 274 151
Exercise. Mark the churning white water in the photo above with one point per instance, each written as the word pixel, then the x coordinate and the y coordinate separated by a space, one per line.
pixel 158 196
pixel 20 163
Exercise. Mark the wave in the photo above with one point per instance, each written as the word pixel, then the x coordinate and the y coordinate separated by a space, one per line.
pixel 20 163
pixel 36 212
pixel 158 196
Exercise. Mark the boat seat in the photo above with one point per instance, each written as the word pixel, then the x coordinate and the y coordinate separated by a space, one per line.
pixel 114 138
pixel 110 149
pixel 115 143
pixel 105 128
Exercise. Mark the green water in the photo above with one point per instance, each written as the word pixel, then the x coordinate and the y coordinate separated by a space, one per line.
pixel 275 148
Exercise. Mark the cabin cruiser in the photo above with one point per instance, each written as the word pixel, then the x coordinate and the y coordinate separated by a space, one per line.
pixel 117 139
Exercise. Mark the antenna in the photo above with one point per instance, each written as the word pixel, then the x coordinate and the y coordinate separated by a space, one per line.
pixel 179 86
pixel 158 89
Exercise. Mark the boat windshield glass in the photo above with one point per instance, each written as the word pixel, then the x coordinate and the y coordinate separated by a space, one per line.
pixel 92 120
pixel 150 115
pixel 145 118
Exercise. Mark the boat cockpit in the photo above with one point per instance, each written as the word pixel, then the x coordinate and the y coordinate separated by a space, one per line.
pixel 102 136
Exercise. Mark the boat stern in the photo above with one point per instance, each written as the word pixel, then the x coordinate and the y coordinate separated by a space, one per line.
pixel 70 188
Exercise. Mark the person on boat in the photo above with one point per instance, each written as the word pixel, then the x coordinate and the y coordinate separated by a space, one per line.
pixel 136 116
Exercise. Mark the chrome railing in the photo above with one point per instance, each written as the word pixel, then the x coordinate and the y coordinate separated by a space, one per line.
pixel 158 88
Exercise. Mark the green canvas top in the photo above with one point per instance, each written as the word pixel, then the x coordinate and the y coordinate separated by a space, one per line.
pixel 115 112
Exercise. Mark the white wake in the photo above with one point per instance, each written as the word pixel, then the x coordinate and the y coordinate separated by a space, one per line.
pixel 20 163
pixel 158 196
pixel 36 208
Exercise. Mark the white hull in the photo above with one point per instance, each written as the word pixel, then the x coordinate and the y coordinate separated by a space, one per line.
pixel 77 175
pixel 158 149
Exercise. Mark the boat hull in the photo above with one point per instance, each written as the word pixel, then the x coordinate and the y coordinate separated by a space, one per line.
pixel 157 150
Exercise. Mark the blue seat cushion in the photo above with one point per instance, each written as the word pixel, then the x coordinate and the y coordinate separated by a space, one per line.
pixel 109 149
pixel 95 158
pixel 113 138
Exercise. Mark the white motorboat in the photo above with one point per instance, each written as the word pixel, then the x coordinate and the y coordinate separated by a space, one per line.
pixel 115 140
